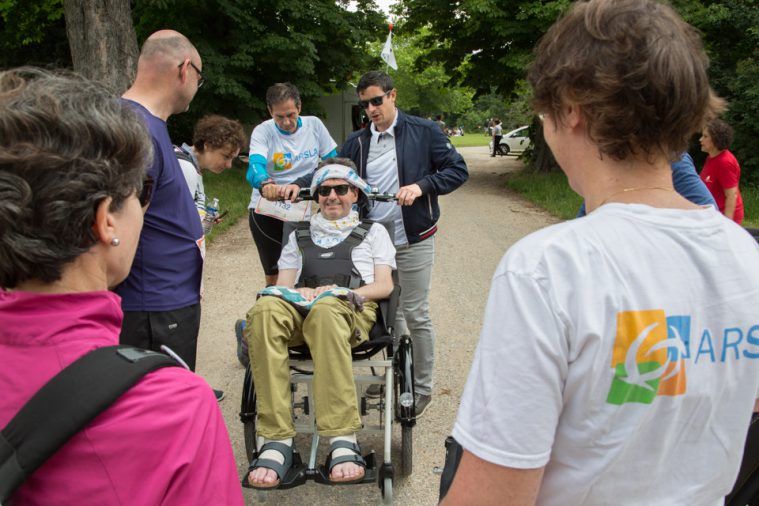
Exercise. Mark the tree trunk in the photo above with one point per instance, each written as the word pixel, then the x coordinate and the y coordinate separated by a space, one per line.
pixel 102 40
pixel 542 160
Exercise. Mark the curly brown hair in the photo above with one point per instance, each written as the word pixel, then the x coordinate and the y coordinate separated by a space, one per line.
pixel 636 70
pixel 721 134
pixel 216 132
pixel 66 143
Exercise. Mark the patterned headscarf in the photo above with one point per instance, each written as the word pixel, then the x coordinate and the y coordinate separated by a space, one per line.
pixel 337 171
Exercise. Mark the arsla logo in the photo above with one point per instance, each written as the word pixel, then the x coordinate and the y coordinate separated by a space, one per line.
pixel 648 356
pixel 282 161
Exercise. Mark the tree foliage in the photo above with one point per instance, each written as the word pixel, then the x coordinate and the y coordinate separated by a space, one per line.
pixel 33 32
pixel 246 46
pixel 496 38
pixel 423 92
pixel 730 30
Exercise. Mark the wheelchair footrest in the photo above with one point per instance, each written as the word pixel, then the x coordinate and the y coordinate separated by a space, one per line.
pixel 321 473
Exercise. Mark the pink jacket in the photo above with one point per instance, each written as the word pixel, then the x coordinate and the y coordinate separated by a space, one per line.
pixel 162 442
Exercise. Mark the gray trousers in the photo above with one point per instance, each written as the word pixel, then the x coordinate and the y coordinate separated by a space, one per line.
pixel 414 274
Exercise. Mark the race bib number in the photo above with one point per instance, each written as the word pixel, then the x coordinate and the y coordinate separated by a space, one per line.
pixel 284 209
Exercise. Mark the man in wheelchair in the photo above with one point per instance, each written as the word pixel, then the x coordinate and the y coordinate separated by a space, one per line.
pixel 335 269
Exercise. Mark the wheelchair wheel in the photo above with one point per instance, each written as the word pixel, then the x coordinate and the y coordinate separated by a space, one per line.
pixel 407 451
pixel 387 491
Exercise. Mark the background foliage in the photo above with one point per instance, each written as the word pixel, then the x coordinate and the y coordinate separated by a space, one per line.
pixel 496 40
pixel 464 59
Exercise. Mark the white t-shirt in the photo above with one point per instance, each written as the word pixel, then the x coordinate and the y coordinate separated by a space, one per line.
pixel 194 183
pixel 557 373
pixel 375 249
pixel 290 156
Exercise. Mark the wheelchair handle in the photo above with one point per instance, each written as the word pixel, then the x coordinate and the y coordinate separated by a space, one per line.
pixel 375 194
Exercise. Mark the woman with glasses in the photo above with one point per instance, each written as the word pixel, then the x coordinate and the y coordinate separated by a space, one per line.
pixel 284 152
pixel 617 362
pixel 73 193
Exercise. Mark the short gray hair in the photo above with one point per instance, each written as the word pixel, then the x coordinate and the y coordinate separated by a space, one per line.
pixel 281 92
pixel 66 143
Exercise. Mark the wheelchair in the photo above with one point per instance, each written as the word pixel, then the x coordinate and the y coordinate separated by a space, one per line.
pixel 384 351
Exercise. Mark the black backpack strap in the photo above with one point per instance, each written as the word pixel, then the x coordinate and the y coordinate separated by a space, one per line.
pixel 358 234
pixel 66 404
pixel 303 234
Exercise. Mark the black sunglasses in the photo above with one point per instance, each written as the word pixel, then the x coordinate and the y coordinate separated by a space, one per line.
pixel 325 191
pixel 201 79
pixel 146 194
pixel 375 101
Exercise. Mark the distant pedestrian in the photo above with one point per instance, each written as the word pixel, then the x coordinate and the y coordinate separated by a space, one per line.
pixel 441 123
pixel 497 136
pixel 721 173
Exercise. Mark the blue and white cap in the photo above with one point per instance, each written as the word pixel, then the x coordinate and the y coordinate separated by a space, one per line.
pixel 337 171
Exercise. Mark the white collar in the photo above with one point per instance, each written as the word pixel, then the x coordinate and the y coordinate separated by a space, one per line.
pixel 390 131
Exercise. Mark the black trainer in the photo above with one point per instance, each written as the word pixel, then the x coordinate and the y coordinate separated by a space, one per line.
pixel 219 394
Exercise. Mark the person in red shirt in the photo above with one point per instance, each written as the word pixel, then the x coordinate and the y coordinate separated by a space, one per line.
pixel 721 173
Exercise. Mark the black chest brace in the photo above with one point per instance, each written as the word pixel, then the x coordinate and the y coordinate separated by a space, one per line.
pixel 329 266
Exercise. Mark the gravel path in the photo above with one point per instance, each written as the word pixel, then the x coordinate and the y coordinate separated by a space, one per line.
pixel 479 222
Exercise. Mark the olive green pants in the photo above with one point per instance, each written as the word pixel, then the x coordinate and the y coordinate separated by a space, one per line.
pixel 330 330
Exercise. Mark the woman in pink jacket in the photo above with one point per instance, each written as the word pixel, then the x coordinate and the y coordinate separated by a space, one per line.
pixel 72 197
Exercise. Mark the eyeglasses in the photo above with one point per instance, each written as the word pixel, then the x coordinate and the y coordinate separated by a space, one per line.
pixel 375 101
pixel 146 194
pixel 201 79
pixel 326 191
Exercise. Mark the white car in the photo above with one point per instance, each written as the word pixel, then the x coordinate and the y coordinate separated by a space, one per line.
pixel 514 142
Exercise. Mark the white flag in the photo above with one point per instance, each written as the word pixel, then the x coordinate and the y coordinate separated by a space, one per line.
pixel 387 53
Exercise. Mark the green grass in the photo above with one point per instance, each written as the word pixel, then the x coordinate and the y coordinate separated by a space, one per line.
pixel 551 192
pixel 470 140
pixel 750 194
pixel 233 192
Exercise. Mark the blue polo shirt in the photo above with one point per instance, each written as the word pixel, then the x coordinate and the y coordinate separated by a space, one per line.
pixel 167 267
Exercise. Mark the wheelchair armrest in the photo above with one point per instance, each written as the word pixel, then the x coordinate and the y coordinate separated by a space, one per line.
pixel 389 306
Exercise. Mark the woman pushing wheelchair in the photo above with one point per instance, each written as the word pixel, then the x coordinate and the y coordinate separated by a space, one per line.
pixel 330 275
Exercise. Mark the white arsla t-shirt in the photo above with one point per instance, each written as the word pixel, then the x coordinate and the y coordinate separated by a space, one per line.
pixel 631 376
pixel 290 156
pixel 375 249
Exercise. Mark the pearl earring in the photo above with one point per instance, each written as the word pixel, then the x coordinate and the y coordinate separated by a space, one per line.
pixel 115 241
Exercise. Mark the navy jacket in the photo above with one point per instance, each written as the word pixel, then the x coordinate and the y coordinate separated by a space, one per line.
pixel 425 157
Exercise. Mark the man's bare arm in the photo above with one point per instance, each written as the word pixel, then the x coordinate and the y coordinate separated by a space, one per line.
pixel 382 286
pixel 481 483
